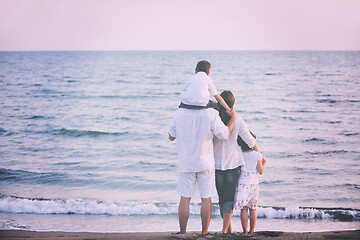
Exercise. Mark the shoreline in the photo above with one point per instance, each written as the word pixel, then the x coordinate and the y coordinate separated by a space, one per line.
pixel 275 235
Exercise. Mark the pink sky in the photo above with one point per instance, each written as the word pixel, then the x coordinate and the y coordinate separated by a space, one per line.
pixel 179 25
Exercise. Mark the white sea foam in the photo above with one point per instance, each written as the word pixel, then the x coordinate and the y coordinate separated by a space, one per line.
pixel 11 204
pixel 291 212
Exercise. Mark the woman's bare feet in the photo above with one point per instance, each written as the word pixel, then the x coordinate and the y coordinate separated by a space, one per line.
pixel 229 229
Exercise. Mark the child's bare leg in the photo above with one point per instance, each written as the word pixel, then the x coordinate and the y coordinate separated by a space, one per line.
pixel 244 218
pixel 253 217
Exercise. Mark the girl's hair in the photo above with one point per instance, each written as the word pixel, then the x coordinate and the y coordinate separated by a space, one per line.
pixel 242 144
pixel 229 98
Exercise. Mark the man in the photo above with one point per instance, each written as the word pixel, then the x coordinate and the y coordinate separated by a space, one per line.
pixel 194 130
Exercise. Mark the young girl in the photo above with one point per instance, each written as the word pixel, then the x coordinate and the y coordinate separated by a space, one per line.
pixel 247 193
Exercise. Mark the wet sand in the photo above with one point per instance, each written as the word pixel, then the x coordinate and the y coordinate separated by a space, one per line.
pixel 18 234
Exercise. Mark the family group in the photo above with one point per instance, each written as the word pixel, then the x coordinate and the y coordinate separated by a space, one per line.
pixel 216 152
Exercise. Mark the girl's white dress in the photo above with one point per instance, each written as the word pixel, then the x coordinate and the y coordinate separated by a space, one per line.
pixel 247 192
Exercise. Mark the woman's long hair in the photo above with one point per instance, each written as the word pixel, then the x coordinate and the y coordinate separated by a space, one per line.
pixel 229 98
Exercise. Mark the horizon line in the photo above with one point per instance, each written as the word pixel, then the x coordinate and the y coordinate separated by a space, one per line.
pixel 169 50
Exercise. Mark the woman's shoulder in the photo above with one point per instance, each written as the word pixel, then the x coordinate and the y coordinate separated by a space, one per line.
pixel 237 126
pixel 239 122
pixel 239 118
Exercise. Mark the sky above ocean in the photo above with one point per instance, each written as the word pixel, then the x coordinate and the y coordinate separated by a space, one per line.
pixel 179 25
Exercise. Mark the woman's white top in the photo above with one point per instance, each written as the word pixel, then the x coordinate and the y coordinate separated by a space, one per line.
pixel 249 174
pixel 227 153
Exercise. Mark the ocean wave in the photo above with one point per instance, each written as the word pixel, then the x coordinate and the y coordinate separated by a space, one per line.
pixel 46 91
pixel 345 186
pixel 13 204
pixel 2 130
pixel 272 74
pixel 327 152
pixel 87 179
pixel 333 122
pixel 83 133
pixel 331 74
pixel 66 163
pixel 295 212
pixel 326 101
pixel 121 97
pixel 38 117
pixel 315 140
pixel 329 100
pixel 350 133
pixel 32 177
pixel 42 178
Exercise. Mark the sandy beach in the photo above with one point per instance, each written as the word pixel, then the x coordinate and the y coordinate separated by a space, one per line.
pixel 18 234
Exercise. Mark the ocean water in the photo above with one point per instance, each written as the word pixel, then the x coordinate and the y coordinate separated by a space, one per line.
pixel 84 147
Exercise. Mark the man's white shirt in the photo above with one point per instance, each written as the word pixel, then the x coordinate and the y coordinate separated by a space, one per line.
pixel 194 131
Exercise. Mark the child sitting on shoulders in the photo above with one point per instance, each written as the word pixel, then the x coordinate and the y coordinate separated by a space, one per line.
pixel 196 91
pixel 247 193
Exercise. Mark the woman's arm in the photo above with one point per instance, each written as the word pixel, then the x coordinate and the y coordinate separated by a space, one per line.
pixel 261 165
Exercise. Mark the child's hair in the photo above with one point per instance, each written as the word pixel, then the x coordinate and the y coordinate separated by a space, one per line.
pixel 229 98
pixel 242 144
pixel 203 66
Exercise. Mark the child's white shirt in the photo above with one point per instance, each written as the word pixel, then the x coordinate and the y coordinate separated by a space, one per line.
pixel 249 174
pixel 196 91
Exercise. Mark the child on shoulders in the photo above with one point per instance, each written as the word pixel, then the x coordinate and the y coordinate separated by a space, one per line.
pixel 196 91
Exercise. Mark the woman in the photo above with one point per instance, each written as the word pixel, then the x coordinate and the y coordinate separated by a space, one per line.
pixel 228 161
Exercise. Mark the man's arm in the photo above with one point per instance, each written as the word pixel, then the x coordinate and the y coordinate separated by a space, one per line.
pixel 172 129
pixel 171 137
